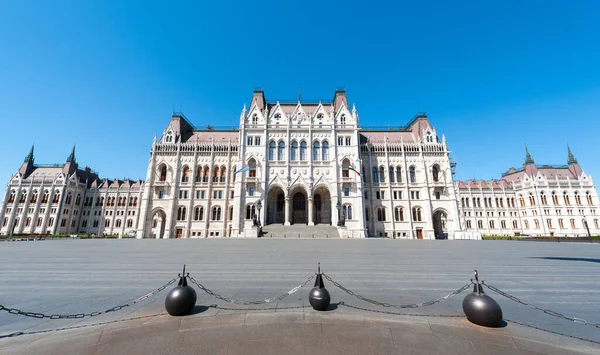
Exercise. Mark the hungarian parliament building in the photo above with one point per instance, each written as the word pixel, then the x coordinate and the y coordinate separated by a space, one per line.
pixel 300 163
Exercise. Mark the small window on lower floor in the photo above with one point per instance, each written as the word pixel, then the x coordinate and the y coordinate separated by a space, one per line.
pixel 437 195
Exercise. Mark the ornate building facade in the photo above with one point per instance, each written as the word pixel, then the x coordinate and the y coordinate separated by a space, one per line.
pixel 300 163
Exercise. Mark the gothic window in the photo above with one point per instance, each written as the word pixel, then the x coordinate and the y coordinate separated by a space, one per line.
pixel 412 173
pixel 480 224
pixel 381 214
pixel 252 167
pixel 129 223
pixel 503 224
pixel 345 168
pixel 549 221
pixel 399 214
pixel 163 173
pixel 566 198
pixel 107 223
pixel 577 198
pixel 216 213
pixel 39 222
pixel 316 148
pixel 254 119
pixel 199 213
pixel 435 173
pixel 281 151
pixel 78 200
pixel 303 148
pixel 596 223
pixel 375 177
pixel 526 224
pixel 223 173
pixel 469 225
pixel 416 211
pixel 573 224
pixel 543 198
pixel 34 196
pixel 118 223
pixel 343 119
pixel 56 197
pixel 347 212
pixel 23 197
pixel 215 174
pixel 294 152
pixel 206 174
pixel 272 146
pixel 515 225
pixel 554 198
pixel 45 197
pixel 391 174
pixel 381 174
pixel 11 198
pixel 429 137
pixel 185 176
pixel 250 211
pixel 398 174
pixel 588 196
pixel 325 151
pixel 521 200
pixel 231 213
pixel 27 221
pixel 491 224
pixel 531 199
pixel 181 212
pixel 277 116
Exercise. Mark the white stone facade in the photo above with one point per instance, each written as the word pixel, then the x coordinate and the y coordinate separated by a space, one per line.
pixel 305 163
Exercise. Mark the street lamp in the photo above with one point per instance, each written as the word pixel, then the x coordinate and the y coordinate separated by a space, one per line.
pixel 340 218
pixel 258 207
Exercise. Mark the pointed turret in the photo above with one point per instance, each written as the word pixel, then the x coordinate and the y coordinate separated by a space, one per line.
pixel 528 158
pixel 574 167
pixel 71 158
pixel 27 166
pixel 529 165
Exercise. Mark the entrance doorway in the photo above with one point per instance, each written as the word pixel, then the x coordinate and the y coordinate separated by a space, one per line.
pixel 439 224
pixel 322 206
pixel 276 206
pixel 299 209
pixel 158 224
pixel 419 233
pixel 179 232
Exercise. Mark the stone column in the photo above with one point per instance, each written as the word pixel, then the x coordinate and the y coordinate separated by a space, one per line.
pixel 310 212
pixel 287 210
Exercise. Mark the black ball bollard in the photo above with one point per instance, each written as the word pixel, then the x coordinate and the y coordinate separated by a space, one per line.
pixel 181 300
pixel 319 297
pixel 480 308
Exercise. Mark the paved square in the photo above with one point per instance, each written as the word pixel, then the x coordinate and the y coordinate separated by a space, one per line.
pixel 74 276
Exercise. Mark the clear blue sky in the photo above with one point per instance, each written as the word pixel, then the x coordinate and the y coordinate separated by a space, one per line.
pixel 492 75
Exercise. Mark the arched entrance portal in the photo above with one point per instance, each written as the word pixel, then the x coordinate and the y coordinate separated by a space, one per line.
pixel 276 206
pixel 322 206
pixel 439 224
pixel 299 214
pixel 158 224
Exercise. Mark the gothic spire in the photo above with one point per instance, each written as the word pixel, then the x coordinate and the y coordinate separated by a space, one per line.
pixel 29 157
pixel 71 158
pixel 528 158
pixel 572 159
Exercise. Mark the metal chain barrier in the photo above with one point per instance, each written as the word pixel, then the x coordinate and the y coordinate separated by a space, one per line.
pixel 84 315
pixel 342 303
pixel 384 304
pixel 547 311
pixel 247 303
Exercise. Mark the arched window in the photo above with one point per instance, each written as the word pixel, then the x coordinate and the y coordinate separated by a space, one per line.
pixel 45 197
pixel 412 172
pixel 129 223
pixel 391 174
pixel 345 168
pixel 503 224
pixel 381 214
pixel 375 176
pixel 343 119
pixel 34 196
pixel 39 222
pixel 515 225
pixel 78 200
pixel 549 222
pixel 435 173
pixel 316 148
pixel 216 213
pixel 531 199
pixel 543 198
pixel 107 223
pixel 199 213
pixel 162 173
pixel 347 212
pixel 294 152
pixel 526 222
pixel 281 151
pixel 181 212
pixel 469 225
pixel 588 196
pixel 254 119
pixel 480 224
pixel 11 198
pixel 252 166
pixel 491 224
pixel 381 174
pixel 223 174
pixel 596 223
pixel 28 222
pixel 325 151
pixel 566 198
pixel 577 198
pixel 399 214
pixel 231 213
pixel 23 197
pixel 215 174
pixel 56 197
pixel 250 211
pixel 573 224
pixel 554 198
pixel 198 177
pixel 561 223
pixel 272 146
pixel 521 200
pixel 416 212
pixel 51 222
pixel 185 175
pixel 303 147
pixel 398 174
pixel 118 223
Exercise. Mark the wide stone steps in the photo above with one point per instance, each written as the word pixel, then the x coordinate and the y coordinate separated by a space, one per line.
pixel 299 231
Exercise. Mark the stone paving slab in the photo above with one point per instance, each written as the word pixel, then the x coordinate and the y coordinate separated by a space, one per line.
pixel 292 333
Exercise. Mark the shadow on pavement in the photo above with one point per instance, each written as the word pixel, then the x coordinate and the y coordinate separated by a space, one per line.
pixel 565 258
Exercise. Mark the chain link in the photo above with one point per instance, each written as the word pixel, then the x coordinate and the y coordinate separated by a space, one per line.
pixel 384 304
pixel 342 303
pixel 547 311
pixel 84 315
pixel 247 303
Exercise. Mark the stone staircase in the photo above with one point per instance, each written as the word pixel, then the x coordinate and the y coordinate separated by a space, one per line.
pixel 300 231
